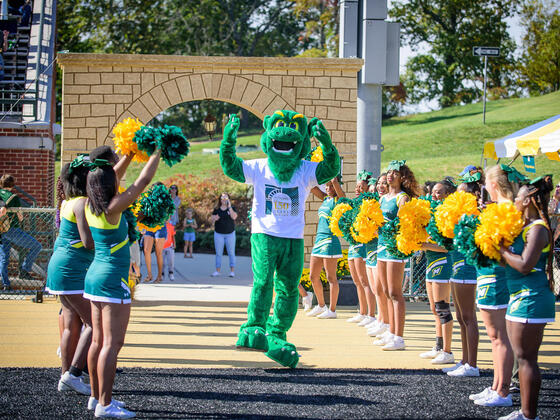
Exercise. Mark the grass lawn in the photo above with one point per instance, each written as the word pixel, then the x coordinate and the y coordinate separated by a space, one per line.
pixel 434 144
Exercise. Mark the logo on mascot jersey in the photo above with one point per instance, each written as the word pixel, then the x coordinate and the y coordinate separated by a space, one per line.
pixel 281 201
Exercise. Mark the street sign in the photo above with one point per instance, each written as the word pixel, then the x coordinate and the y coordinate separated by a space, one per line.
pixel 486 51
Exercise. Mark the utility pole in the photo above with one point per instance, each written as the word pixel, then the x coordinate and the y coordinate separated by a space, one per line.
pixel 365 33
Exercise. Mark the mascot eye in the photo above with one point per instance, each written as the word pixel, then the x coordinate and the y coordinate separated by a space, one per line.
pixel 294 125
pixel 279 123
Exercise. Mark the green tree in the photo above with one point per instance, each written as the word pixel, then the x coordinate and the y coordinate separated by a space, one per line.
pixel 322 26
pixel 446 32
pixel 540 60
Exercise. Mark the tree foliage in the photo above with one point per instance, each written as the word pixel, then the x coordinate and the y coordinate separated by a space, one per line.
pixel 540 60
pixel 322 26
pixel 445 32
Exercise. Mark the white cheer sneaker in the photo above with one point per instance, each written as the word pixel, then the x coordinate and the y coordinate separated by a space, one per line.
pixel 69 382
pixel 443 358
pixel 113 411
pixel 317 310
pixel 356 318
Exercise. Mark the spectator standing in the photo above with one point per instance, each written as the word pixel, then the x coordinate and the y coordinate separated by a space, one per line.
pixel 169 252
pixel 5 35
pixel 25 12
pixel 189 234
pixel 174 191
pixel 13 234
pixel 223 217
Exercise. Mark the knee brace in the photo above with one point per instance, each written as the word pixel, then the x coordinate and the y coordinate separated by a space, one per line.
pixel 443 311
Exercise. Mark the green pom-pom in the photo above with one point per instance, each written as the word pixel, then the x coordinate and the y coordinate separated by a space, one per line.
pixel 133 234
pixel 148 138
pixel 173 144
pixel 389 232
pixel 465 244
pixel 433 230
pixel 156 205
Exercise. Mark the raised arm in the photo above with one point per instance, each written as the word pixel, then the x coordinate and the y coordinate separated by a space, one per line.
pixel 231 164
pixel 122 165
pixel 83 227
pixel 329 167
pixel 121 202
pixel 537 239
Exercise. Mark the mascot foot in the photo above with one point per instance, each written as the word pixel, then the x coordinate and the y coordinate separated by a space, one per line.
pixel 252 338
pixel 282 352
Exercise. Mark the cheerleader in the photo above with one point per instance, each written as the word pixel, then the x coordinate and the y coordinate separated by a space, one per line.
pixel 492 301
pixel 325 254
pixel 390 269
pixel 438 275
pixel 357 265
pixel 463 288
pixel 73 254
pixel 106 284
pixel 382 323
pixel 531 302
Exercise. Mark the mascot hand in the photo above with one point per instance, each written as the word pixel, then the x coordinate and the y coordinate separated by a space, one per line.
pixel 318 130
pixel 230 130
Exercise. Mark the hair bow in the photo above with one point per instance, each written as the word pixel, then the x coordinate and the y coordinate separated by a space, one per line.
pixel 372 181
pixel 98 163
pixel 467 179
pixel 514 175
pixel 82 160
pixel 364 175
pixel 395 165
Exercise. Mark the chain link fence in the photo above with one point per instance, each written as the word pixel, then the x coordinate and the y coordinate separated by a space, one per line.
pixel 25 249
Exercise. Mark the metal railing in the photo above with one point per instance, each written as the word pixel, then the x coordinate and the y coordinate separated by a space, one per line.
pixel 25 250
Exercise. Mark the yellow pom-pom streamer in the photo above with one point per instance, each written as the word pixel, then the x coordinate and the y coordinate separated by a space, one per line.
pixel 367 222
pixel 124 135
pixel 317 155
pixel 336 214
pixel 447 214
pixel 414 216
pixel 499 225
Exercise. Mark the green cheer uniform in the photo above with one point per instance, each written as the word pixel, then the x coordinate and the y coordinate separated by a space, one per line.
pixel 390 209
pixel 70 260
pixel 491 288
pixel 438 267
pixel 530 298
pixel 461 271
pixel 107 277
pixel 371 253
pixel 357 251
pixel 326 244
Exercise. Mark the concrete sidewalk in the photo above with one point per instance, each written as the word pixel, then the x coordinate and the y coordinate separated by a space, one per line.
pixel 193 281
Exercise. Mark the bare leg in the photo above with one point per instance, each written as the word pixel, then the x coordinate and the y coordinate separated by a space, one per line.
pixel 381 299
pixel 114 322
pixel 159 257
pixel 430 292
pixel 526 340
pixel 360 264
pixel 315 268
pixel 442 291
pixel 382 274
pixel 359 288
pixel 148 244
pixel 70 334
pixel 190 249
pixel 395 273
pixel 464 296
pixel 95 348
pixel 81 308
pixel 330 265
pixel 495 322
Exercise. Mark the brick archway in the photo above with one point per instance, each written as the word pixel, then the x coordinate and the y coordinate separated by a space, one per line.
pixel 100 90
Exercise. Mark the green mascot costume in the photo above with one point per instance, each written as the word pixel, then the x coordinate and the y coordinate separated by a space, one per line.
pixel 281 184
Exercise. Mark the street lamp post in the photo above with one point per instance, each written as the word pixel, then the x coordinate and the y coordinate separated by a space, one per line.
pixel 210 125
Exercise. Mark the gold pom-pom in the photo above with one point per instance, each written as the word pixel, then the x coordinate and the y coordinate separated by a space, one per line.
pixel 414 216
pixel 336 214
pixel 499 225
pixel 447 214
pixel 317 155
pixel 367 222
pixel 124 135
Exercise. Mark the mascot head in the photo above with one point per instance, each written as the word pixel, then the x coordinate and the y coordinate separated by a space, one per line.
pixel 285 142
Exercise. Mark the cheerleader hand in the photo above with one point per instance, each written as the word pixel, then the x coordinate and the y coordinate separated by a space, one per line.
pixel 317 129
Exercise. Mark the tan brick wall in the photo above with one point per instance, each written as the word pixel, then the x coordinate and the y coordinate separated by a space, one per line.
pixel 100 90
